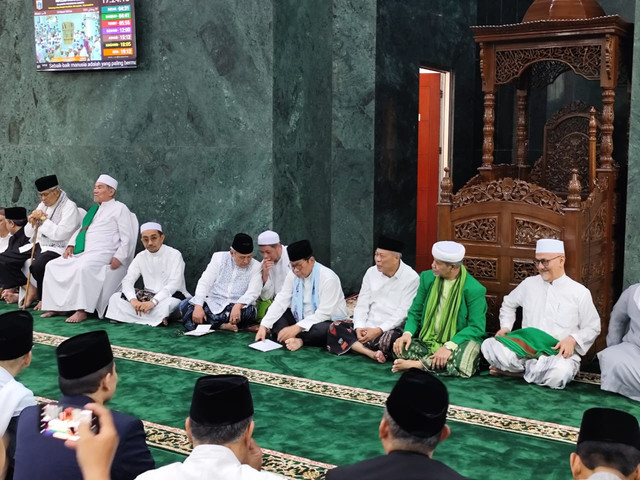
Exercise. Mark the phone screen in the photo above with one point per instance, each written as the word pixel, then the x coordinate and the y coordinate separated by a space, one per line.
pixel 62 421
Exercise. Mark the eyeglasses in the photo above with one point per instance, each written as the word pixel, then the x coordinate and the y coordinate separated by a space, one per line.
pixel 297 266
pixel 544 261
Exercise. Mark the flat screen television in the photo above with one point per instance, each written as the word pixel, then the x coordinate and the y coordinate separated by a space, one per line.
pixel 84 34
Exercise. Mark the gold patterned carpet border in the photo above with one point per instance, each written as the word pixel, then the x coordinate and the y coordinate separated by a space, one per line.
pixel 175 440
pixel 498 421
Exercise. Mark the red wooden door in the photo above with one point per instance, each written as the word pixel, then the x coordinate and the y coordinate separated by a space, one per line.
pixel 428 168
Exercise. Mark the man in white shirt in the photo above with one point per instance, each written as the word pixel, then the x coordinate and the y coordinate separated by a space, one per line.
pixel 388 288
pixel 275 267
pixel 310 299
pixel 16 341
pixel 56 218
pixel 162 271
pixel 79 279
pixel 5 235
pixel 608 446
pixel 227 290
pixel 220 426
pixel 559 323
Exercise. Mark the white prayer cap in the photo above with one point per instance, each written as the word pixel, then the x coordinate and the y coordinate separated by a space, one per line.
pixel 108 180
pixel 268 237
pixel 150 226
pixel 549 245
pixel 448 252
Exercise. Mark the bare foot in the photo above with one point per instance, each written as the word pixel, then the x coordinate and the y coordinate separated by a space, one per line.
pixel 10 296
pixel 495 371
pixel 400 364
pixel 30 296
pixel 79 316
pixel 38 306
pixel 229 326
pixel 51 314
pixel 293 344
pixel 379 356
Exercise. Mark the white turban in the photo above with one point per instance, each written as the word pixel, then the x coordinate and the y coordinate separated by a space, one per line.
pixel 268 237
pixel 108 180
pixel 150 226
pixel 549 245
pixel 448 252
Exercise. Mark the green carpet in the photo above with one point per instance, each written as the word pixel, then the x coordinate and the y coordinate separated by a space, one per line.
pixel 326 409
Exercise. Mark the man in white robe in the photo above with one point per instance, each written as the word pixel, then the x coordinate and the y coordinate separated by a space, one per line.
pixel 620 361
pixel 57 218
pixel 96 259
pixel 310 299
pixel 162 271
pixel 387 291
pixel 275 267
pixel 16 341
pixel 559 323
pixel 227 290
pixel 220 427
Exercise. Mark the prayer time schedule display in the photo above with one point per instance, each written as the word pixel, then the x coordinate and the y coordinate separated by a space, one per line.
pixel 84 35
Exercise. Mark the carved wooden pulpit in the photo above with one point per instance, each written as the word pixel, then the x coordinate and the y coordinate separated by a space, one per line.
pixel 570 192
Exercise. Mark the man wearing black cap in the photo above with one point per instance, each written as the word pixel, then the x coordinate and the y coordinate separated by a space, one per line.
pixel 413 424
pixel 5 235
pixel 86 374
pixel 56 218
pixel 608 446
pixel 310 299
pixel 15 220
pixel 220 427
pixel 16 341
pixel 227 290
pixel 388 288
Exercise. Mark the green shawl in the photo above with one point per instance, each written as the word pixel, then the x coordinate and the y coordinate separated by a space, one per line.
pixel 448 315
pixel 529 342
pixel 86 221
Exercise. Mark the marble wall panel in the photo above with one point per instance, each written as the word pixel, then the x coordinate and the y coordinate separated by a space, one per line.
pixel 632 232
pixel 188 133
pixel 411 35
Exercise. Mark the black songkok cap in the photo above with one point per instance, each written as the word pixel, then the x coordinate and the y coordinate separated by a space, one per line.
pixel 242 243
pixel 15 213
pixel 391 244
pixel 609 425
pixel 84 354
pixel 221 400
pixel 16 334
pixel 418 403
pixel 299 250
pixel 45 183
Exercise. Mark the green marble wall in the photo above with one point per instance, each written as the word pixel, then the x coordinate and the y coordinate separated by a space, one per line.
pixel 632 232
pixel 324 72
pixel 188 134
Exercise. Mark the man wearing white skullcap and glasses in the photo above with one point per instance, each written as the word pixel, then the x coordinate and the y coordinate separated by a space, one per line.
pixel 559 323
pixel 106 238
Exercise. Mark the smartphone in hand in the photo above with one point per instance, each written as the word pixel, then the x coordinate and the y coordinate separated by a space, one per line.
pixel 62 421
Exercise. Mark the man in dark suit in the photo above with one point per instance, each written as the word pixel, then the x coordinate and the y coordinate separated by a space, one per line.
pixel 86 374
pixel 412 426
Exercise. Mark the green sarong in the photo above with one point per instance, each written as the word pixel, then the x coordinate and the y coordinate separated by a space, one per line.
pixel 462 363
pixel 86 221
pixel 529 342
pixel 262 306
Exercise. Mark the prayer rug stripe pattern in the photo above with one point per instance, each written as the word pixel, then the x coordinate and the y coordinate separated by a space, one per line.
pixel 498 421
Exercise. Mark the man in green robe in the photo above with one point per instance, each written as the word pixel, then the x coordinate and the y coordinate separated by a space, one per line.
pixel 447 319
